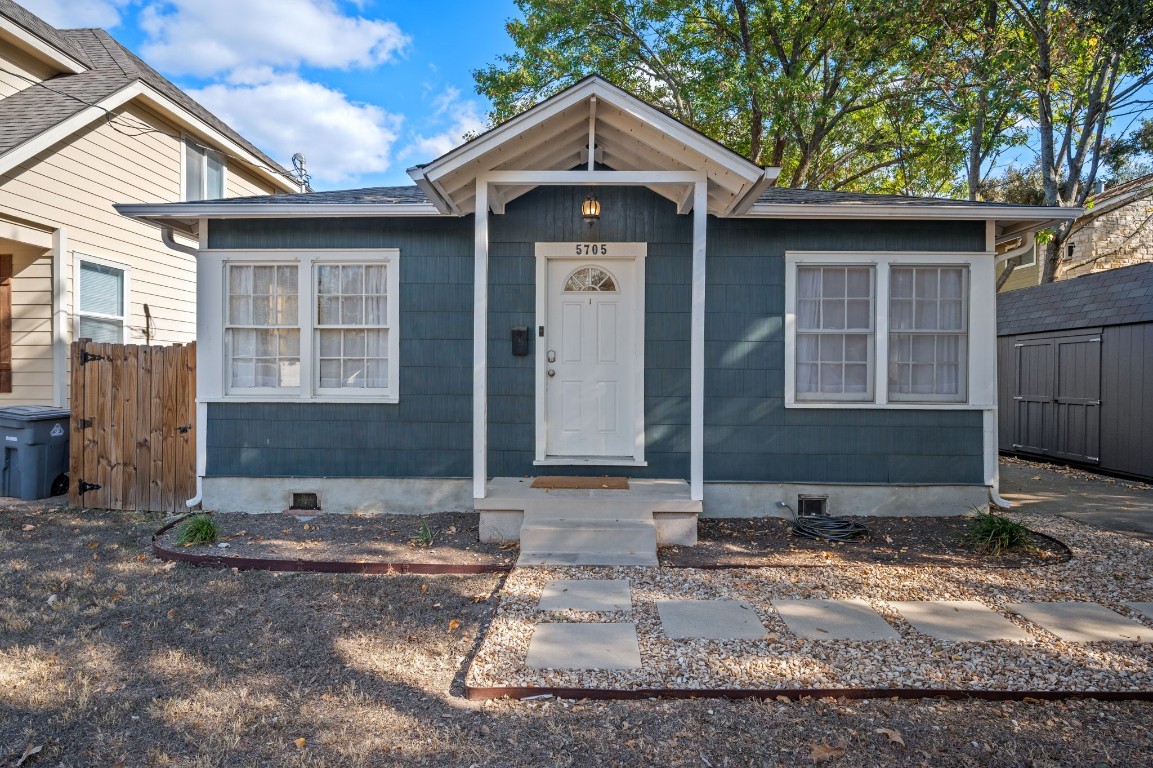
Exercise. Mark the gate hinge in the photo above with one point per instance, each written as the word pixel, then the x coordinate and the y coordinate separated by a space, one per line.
pixel 1092 458
pixel 1091 341
pixel 1016 445
pixel 87 357
pixel 84 424
pixel 1018 398
pixel 1018 345
pixel 184 429
pixel 83 487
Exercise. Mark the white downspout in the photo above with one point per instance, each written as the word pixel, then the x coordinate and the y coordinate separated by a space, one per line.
pixel 1028 241
pixel 59 318
pixel 168 238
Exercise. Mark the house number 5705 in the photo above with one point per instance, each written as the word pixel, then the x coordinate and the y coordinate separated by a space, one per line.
pixel 592 249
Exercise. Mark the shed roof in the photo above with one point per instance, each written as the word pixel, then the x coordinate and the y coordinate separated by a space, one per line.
pixel 1113 297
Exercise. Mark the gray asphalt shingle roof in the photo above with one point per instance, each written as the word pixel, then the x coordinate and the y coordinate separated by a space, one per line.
pixel 41 29
pixel 1112 297
pixel 364 196
pixel 38 108
pixel 790 196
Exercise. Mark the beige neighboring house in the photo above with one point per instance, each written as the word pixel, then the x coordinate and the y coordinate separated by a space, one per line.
pixel 84 124
pixel 1115 231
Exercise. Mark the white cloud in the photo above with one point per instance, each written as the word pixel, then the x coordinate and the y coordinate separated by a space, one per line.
pixel 70 14
pixel 284 114
pixel 462 117
pixel 208 37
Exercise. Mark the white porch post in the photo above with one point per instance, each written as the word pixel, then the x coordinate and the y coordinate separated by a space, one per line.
pixel 697 346
pixel 480 343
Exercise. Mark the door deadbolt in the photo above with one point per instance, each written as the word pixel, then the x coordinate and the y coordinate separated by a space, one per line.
pixel 552 356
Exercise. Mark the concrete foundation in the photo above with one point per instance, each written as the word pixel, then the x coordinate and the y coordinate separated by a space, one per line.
pixel 760 499
pixel 341 495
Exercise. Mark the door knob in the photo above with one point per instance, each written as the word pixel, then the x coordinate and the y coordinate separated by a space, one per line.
pixel 551 372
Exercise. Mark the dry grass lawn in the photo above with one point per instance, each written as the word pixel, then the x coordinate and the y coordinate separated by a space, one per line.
pixel 111 658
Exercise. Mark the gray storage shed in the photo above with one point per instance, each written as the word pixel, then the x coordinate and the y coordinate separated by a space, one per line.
pixel 1075 371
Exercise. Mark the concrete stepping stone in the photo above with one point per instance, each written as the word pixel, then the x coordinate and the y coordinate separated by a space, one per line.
pixel 834 620
pixel 958 620
pixel 1077 622
pixel 584 646
pixel 1145 609
pixel 586 595
pixel 710 619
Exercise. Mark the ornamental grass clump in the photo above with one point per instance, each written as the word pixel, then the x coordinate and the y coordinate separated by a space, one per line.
pixel 197 530
pixel 993 534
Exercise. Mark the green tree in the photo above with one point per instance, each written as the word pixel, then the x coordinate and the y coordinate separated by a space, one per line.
pixel 1088 61
pixel 830 90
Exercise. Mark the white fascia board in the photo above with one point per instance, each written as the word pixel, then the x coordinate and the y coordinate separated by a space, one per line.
pixel 63 130
pixel 1045 216
pixel 40 48
pixel 742 203
pixel 158 100
pixel 610 95
pixel 162 211
pixel 586 178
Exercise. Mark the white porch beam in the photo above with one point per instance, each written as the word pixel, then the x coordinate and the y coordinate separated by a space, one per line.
pixel 685 202
pixel 592 178
pixel 480 344
pixel 697 346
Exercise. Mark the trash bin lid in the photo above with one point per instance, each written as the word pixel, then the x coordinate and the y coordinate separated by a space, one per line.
pixel 34 413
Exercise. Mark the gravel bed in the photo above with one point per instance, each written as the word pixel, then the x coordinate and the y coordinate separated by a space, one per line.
pixel 782 660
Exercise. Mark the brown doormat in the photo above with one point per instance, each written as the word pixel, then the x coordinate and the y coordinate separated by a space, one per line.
pixel 581 483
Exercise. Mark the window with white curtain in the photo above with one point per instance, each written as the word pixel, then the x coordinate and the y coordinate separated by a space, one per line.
pixel 102 316
pixel 312 325
pixel 263 327
pixel 880 328
pixel 928 333
pixel 834 343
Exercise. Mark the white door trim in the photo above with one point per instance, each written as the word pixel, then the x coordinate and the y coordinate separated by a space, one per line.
pixel 636 253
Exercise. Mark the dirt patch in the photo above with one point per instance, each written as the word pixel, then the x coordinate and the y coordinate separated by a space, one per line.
pixel 440 539
pixel 766 541
pixel 110 657
pixel 1076 473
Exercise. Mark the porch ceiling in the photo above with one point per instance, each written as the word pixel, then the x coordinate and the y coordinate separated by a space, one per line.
pixel 628 135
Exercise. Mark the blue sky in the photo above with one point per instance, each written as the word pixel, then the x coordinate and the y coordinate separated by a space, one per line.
pixel 363 89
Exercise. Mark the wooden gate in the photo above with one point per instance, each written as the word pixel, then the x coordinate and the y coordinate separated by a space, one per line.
pixel 133 443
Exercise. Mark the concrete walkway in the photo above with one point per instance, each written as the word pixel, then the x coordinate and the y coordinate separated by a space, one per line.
pixel 1115 505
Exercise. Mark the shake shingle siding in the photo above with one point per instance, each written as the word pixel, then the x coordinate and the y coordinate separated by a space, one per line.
pixel 429 432
pixel 749 435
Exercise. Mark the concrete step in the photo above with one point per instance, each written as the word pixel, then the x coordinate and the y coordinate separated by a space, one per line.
pixel 556 541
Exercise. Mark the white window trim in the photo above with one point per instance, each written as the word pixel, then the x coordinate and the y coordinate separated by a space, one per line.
pixel 981 385
pixel 77 259
pixel 871 363
pixel 185 139
pixel 212 281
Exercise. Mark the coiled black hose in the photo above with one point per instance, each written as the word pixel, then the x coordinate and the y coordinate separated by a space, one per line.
pixel 824 527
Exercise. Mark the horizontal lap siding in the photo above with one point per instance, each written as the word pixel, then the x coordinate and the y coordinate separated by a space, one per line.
pixel 629 214
pixel 429 432
pixel 749 435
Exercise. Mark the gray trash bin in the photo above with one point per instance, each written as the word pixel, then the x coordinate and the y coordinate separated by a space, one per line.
pixel 35 439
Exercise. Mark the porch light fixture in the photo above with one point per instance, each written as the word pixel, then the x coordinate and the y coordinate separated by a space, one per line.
pixel 591 209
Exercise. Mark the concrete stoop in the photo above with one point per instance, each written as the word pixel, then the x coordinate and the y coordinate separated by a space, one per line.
pixel 588 527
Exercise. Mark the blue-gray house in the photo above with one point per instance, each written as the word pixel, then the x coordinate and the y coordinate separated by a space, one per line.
pixel 634 300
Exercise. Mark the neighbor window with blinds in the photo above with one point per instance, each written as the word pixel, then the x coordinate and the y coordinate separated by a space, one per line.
pixel 319 327
pixel 203 172
pixel 913 317
pixel 101 302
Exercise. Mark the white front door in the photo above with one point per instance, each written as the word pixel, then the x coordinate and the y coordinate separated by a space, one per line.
pixel 590 359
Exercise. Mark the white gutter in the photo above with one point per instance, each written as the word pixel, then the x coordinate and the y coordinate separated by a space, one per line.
pixel 906 211
pixel 166 236
pixel 271 210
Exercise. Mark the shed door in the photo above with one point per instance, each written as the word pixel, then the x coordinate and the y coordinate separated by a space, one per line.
pixel 589 402
pixel 1057 399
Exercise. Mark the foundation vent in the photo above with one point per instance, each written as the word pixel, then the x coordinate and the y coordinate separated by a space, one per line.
pixel 308 501
pixel 812 506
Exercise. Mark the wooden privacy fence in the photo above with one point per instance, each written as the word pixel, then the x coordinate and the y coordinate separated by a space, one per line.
pixel 133 443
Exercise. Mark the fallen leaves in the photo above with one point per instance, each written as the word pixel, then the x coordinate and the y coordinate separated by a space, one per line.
pixel 28 752
pixel 453 625
pixel 28 527
pixel 893 736
pixel 300 742
pixel 824 751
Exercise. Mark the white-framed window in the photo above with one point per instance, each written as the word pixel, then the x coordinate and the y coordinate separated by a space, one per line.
pixel 314 325
pixel 928 333
pixel 101 301
pixel 835 332
pixel 884 329
pixel 203 172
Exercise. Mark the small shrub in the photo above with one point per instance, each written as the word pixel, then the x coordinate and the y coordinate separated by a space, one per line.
pixel 423 537
pixel 198 529
pixel 993 534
